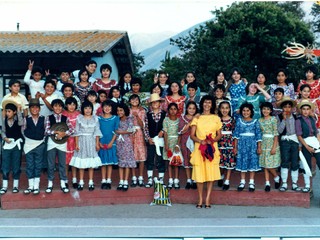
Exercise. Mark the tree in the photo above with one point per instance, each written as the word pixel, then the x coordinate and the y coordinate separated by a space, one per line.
pixel 249 35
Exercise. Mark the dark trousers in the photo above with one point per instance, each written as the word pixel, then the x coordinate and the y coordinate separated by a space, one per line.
pixel 289 154
pixel 152 157
pixel 51 155
pixel 34 160
pixel 11 159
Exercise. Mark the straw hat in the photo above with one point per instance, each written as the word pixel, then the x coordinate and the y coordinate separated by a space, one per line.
pixel 287 99
pixel 5 102
pixel 63 127
pixel 305 102
pixel 155 97
pixel 34 102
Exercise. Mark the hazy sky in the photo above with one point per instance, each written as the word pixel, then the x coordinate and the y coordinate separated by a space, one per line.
pixel 132 16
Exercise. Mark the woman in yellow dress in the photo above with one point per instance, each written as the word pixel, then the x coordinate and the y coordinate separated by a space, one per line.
pixel 205 170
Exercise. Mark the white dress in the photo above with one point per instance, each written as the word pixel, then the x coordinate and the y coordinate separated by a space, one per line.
pixel 87 156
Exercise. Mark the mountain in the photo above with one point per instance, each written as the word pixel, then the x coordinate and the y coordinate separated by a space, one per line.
pixel 154 55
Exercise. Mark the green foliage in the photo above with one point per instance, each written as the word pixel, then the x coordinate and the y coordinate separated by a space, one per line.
pixel 249 35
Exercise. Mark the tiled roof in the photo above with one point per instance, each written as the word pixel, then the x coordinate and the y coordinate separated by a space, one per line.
pixel 59 41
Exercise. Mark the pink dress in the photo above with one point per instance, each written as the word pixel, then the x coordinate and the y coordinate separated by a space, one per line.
pixel 139 145
pixel 100 85
pixel 180 102
pixel 71 140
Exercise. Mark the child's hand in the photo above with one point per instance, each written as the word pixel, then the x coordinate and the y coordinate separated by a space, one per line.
pixel 310 149
pixel 151 142
pixel 155 78
pixel 176 149
pixel 38 95
pixel 109 145
pixel 7 140
pixel 60 135
pixel 30 66
pixel 235 151
pixel 182 83
pixel 47 72
pixel 97 147
pixel 77 148
pixel 273 151
pixel 211 84
pixel 160 135
pixel 259 151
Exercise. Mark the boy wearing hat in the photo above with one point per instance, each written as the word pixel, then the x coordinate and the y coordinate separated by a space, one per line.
pixel 14 95
pixel 11 152
pixel 289 144
pixel 308 137
pixel 58 127
pixel 33 130
pixel 154 136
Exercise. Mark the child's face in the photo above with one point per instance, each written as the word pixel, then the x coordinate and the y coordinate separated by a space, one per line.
pixel 220 78
pixel 173 111
pixel 10 114
pixel 49 89
pixel 252 89
pixel 92 98
pixel 246 112
pixel 67 92
pixel 87 111
pixel 305 111
pixel 287 109
pixel 136 87
pixel 57 108
pixel 84 77
pixel 91 68
pixel 163 79
pixel 305 93
pixel 224 109
pixel 174 88
pixel 190 78
pixel 191 92
pixel 71 107
pixel 134 102
pixel 266 111
pixel 65 76
pixel 127 78
pixel 105 73
pixel 278 96
pixel 155 105
pixel 281 77
pixel 15 88
pixel 116 93
pixel 34 110
pixel 236 76
pixel 120 112
pixel 37 76
pixel 102 97
pixel 309 75
pixel 261 79
pixel 219 93
pixel 156 90
pixel 191 109
pixel 107 109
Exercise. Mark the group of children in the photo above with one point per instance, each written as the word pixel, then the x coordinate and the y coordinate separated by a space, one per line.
pixel 89 123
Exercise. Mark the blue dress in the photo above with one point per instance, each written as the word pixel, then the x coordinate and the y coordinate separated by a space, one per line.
pixel 236 91
pixel 108 126
pixel 248 134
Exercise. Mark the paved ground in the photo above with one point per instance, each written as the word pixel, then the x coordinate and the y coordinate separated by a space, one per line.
pixel 180 220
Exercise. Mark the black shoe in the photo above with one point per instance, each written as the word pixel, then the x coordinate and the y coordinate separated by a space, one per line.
pixel 251 187
pixel 194 185
pixel 133 183
pixel 188 186
pixel 225 187
pixel 67 185
pixel 267 188
pixel 91 187
pixel 120 186
pixel 277 184
pixel 80 187
pixel 241 187
pixel 108 185
pixel 125 187
pixel 220 183
pixel 75 185
pixel 65 190
pixel 104 185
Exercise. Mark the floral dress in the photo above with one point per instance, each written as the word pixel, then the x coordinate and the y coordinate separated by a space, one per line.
pixel 226 143
pixel 171 128
pixel 125 151
pixel 269 130
pixel 139 145
pixel 180 102
pixel 183 121
pixel 71 140
pixel 288 91
pixel 87 130
pixel 248 134
pixel 236 91
pixel 82 92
